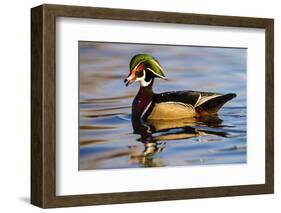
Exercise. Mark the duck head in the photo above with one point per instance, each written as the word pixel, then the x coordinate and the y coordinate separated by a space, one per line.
pixel 144 68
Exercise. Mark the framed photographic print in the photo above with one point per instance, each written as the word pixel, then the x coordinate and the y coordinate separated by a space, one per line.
pixel 135 106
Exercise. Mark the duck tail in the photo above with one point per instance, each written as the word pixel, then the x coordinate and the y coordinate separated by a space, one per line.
pixel 213 105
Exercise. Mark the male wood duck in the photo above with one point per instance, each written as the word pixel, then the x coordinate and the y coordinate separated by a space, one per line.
pixel 168 105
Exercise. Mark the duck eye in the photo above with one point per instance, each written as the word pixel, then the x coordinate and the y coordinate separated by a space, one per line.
pixel 140 67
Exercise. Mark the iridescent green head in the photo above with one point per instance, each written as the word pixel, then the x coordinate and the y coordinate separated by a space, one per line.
pixel 144 68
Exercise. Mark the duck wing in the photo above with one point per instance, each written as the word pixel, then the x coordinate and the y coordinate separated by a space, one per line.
pixel 212 105
pixel 191 98
pixel 188 103
pixel 204 103
pixel 184 97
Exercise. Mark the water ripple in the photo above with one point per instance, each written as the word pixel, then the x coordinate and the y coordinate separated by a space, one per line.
pixel 108 140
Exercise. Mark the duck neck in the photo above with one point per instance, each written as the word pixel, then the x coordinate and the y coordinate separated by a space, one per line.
pixel 142 100
pixel 146 89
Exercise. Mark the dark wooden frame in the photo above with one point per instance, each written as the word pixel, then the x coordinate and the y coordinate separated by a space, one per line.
pixel 43 105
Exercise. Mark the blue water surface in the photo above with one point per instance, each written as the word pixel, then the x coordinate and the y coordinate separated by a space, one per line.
pixel 107 139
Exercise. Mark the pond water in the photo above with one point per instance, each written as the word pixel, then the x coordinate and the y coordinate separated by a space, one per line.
pixel 107 138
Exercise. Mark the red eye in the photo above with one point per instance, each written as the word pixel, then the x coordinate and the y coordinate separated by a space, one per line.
pixel 140 67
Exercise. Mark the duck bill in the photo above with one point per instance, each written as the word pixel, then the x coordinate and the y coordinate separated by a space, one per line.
pixel 130 79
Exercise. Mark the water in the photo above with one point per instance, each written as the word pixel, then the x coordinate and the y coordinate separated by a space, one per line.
pixel 107 138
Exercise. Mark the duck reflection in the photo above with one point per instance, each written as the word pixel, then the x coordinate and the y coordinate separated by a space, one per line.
pixel 154 135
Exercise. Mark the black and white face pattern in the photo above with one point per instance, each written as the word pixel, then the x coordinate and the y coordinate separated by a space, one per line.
pixel 143 75
pixel 145 78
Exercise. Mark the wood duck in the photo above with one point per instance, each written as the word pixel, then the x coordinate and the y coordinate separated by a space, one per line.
pixel 168 105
